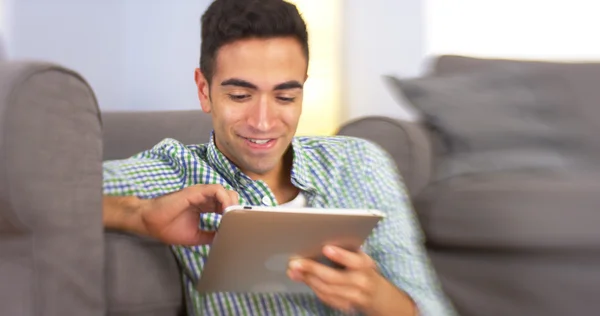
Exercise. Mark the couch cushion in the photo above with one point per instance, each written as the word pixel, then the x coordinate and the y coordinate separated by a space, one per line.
pixel 513 210
pixel 583 79
pixel 128 133
pixel 142 277
pixel 533 283
pixel 502 119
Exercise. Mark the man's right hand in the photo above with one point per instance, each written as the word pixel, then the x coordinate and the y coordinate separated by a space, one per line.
pixel 172 218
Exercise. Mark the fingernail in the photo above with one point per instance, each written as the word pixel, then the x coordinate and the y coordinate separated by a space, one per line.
pixel 330 250
pixel 295 264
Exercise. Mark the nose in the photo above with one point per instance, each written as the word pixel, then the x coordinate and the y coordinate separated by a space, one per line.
pixel 262 115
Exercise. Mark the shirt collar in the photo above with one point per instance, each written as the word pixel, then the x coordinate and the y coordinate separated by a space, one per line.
pixel 300 175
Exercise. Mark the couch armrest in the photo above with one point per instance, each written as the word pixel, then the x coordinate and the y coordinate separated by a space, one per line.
pixel 407 142
pixel 51 234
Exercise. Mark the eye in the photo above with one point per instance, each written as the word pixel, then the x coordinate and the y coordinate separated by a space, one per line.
pixel 238 97
pixel 286 99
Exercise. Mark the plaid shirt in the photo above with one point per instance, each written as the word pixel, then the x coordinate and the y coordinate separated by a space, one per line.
pixel 332 172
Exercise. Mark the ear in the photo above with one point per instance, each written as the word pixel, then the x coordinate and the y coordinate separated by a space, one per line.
pixel 203 90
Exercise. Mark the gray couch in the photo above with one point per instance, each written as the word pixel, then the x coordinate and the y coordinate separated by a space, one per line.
pixel 502 244
pixel 506 242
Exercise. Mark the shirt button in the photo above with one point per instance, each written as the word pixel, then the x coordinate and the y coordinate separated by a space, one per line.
pixel 243 182
pixel 266 200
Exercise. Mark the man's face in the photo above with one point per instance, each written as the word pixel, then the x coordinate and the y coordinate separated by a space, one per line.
pixel 255 99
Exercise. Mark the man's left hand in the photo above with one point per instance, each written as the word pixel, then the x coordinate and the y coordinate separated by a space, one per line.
pixel 358 287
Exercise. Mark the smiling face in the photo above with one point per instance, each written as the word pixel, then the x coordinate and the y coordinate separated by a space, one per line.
pixel 255 99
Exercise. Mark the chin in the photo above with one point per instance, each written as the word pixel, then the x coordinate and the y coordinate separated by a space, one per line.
pixel 260 166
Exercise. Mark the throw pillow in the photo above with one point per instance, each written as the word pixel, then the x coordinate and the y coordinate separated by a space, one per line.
pixel 505 118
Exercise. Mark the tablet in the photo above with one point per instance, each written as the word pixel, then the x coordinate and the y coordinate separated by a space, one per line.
pixel 253 245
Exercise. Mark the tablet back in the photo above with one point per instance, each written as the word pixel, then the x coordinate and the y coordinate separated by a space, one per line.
pixel 252 248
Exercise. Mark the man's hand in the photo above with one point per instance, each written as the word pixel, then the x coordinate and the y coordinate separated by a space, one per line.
pixel 172 218
pixel 358 287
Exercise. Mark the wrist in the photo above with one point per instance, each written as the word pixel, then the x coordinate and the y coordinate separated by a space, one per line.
pixel 390 300
pixel 125 214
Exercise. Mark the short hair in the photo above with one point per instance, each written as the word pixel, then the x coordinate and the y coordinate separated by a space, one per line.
pixel 226 21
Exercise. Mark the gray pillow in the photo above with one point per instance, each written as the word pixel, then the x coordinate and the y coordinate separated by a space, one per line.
pixel 504 118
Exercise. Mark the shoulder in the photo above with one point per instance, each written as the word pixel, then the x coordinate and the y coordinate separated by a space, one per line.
pixel 346 149
pixel 171 149
pixel 166 167
pixel 168 156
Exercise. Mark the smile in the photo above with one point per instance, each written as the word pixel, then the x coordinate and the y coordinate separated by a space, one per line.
pixel 260 143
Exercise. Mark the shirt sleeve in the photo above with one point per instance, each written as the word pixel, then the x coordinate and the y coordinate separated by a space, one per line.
pixel 149 174
pixel 397 243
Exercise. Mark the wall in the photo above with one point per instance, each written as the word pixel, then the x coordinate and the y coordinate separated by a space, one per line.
pixel 321 106
pixel 532 29
pixel 162 49
pixel 380 37
pixel 140 54
pixel 3 53
pixel 73 33
pixel 137 54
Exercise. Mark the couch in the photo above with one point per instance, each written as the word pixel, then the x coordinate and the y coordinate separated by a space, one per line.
pixel 504 241
pixel 504 244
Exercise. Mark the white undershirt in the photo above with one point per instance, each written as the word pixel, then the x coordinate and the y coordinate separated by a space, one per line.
pixel 298 201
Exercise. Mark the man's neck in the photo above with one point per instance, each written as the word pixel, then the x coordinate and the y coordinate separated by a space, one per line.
pixel 279 179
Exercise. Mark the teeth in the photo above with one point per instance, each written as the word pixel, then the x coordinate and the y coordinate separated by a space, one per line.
pixel 259 141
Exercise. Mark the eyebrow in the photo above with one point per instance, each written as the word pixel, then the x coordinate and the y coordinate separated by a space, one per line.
pixel 292 84
pixel 239 83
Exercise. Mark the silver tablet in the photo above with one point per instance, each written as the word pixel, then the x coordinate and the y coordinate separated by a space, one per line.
pixel 253 245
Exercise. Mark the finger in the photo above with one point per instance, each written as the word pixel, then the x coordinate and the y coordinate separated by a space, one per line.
pixel 348 297
pixel 351 260
pixel 234 196
pixel 208 197
pixel 334 296
pixel 335 302
pixel 223 200
pixel 305 267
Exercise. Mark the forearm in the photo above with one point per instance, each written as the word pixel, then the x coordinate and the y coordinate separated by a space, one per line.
pixel 123 213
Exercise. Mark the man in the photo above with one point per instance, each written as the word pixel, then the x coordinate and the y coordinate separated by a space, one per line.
pixel 253 65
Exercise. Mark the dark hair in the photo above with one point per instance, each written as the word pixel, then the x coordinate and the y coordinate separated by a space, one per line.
pixel 226 21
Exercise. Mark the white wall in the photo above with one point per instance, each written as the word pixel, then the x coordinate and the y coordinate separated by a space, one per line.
pixel 400 36
pixel 162 49
pixel 532 29
pixel 137 54
pixel 381 37
pixel 2 30
pixel 75 34
pixel 1 15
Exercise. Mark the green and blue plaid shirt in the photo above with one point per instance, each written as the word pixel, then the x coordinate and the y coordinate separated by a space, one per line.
pixel 332 172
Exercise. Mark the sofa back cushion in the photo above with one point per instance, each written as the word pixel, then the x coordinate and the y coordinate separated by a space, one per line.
pixel 506 118
pixel 583 79
pixel 128 133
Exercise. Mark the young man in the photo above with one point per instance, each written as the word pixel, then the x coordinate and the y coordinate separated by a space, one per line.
pixel 253 65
